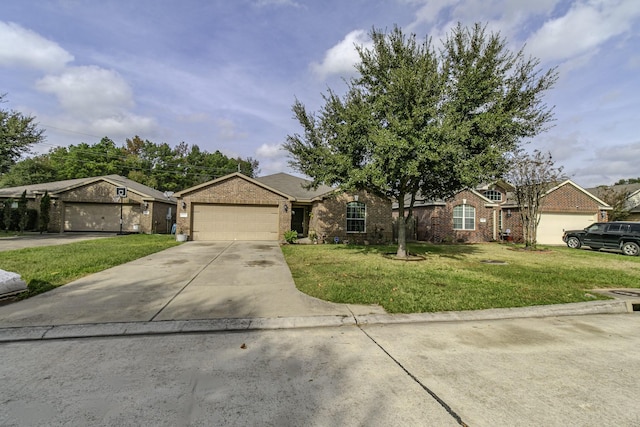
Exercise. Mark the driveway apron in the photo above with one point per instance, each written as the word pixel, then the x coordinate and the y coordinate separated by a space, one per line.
pixel 196 280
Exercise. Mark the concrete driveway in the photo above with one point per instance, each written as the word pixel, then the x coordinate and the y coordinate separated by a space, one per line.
pixel 196 280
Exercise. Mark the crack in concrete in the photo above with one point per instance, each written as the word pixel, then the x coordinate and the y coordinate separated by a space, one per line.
pixel 414 378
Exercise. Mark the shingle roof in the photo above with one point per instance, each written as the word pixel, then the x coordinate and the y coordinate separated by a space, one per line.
pixel 57 187
pixel 294 186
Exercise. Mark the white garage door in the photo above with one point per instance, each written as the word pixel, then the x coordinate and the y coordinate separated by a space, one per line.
pixel 100 217
pixel 235 222
pixel 552 226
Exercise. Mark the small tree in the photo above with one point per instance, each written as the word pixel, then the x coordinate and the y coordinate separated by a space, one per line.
pixel 532 175
pixel 17 133
pixel 23 218
pixel 6 214
pixel 45 207
pixel 617 200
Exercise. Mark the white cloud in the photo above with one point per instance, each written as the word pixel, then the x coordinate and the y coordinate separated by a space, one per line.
pixel 89 91
pixel 341 58
pixel 20 47
pixel 270 151
pixel 585 27
pixel 122 125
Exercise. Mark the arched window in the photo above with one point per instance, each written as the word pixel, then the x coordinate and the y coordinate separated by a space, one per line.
pixel 464 217
pixel 356 214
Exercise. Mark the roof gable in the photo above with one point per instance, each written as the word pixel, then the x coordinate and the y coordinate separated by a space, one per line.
pixel 603 205
pixel 228 177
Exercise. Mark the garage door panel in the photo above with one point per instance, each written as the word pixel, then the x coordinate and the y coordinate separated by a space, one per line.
pixel 100 217
pixel 235 222
pixel 552 225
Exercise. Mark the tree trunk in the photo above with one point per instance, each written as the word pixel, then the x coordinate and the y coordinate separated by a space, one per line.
pixel 402 229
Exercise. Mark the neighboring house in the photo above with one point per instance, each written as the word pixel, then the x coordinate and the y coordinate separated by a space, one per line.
pixel 489 213
pixel 237 207
pixel 632 202
pixel 92 204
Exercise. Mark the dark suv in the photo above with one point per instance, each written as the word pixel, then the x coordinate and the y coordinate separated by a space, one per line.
pixel 621 236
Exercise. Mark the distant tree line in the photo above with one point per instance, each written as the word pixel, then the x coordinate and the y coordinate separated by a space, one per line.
pixel 159 166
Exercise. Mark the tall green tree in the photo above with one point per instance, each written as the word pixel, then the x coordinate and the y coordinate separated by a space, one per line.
pixel 17 133
pixel 416 120
pixel 44 215
pixel 23 218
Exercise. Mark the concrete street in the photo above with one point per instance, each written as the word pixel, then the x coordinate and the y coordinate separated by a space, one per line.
pixel 215 333
pixel 576 370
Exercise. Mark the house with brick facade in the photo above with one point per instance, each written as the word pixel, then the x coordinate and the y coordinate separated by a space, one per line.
pixel 489 213
pixel 110 203
pixel 238 207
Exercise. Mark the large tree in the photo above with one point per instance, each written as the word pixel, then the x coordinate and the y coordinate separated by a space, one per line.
pixel 17 133
pixel 416 120
pixel 532 176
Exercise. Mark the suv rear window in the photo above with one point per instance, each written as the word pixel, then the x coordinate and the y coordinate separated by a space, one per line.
pixel 617 228
pixel 634 228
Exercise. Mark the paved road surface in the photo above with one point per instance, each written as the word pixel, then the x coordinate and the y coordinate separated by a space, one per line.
pixel 559 371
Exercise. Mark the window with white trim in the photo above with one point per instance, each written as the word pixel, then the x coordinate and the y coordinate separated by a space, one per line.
pixel 356 214
pixel 464 217
pixel 493 195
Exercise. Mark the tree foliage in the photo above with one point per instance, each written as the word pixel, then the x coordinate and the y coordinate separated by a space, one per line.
pixel 532 175
pixel 628 181
pixel 17 133
pixel 617 199
pixel 417 120
pixel 44 215
pixel 156 165
pixel 23 219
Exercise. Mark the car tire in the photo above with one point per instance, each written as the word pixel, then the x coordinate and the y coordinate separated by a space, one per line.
pixel 574 243
pixel 630 248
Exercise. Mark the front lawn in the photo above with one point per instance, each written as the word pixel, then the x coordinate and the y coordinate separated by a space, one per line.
pixel 47 267
pixel 454 277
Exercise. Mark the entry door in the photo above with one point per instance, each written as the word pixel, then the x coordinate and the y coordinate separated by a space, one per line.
pixel 297 219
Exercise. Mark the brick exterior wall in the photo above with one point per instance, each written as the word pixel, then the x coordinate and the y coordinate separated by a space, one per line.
pixel 569 199
pixel 329 218
pixel 234 190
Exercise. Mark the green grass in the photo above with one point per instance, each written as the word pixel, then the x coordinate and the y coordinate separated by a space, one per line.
pixel 453 277
pixel 47 267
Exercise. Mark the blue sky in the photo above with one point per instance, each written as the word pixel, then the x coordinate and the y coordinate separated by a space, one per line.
pixel 223 74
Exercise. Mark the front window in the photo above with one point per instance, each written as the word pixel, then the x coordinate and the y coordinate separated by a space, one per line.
pixel 493 195
pixel 464 217
pixel 356 214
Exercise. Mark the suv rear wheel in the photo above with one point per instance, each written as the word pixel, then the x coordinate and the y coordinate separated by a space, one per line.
pixel 630 248
pixel 574 243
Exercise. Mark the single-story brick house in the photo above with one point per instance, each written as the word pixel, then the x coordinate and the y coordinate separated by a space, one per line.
pixel 94 204
pixel 489 213
pixel 237 207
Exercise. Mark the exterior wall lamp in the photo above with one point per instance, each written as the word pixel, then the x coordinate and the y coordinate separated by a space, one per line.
pixel 184 205
pixel 286 208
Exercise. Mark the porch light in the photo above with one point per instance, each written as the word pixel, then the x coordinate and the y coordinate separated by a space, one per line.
pixel 508 213
pixel 184 205
pixel 286 208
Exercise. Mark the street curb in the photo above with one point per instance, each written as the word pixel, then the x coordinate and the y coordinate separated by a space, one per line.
pixel 167 327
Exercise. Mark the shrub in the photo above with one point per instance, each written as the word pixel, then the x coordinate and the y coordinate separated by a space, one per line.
pixel 291 236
